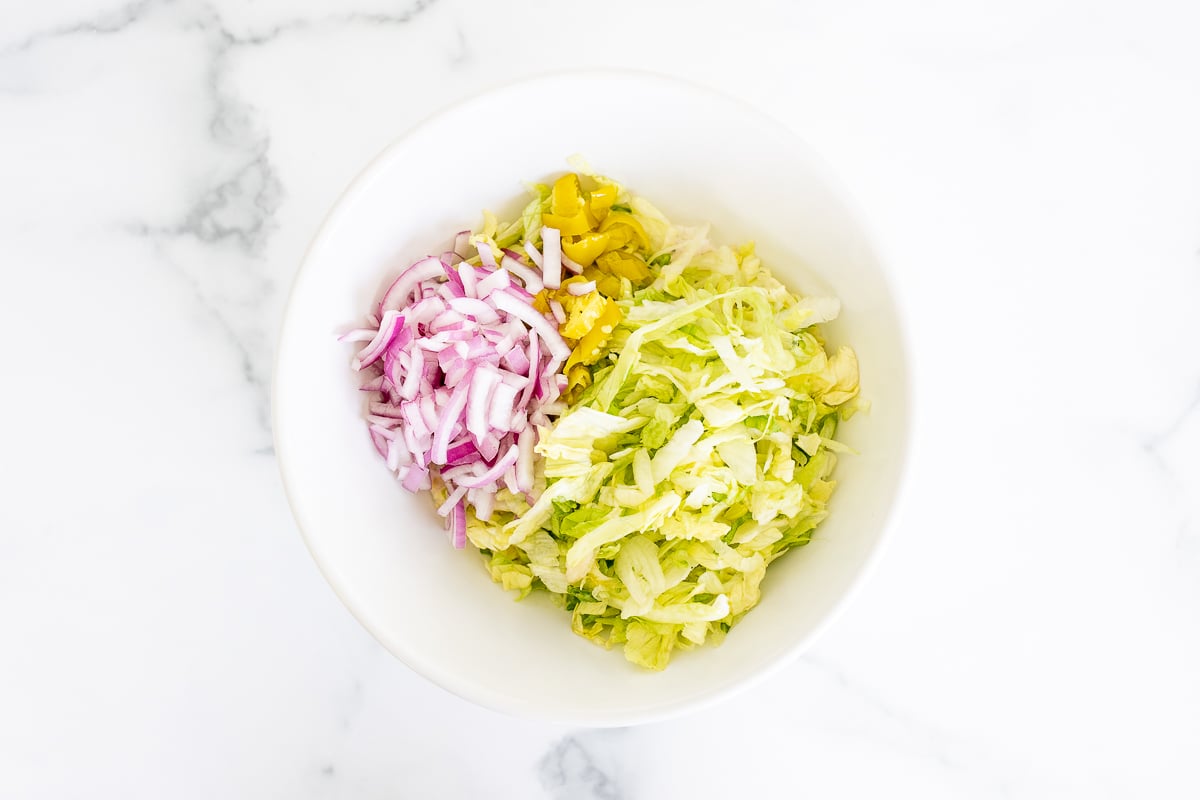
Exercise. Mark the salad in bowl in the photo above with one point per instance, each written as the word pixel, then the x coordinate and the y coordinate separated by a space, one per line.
pixel 667 413
pixel 611 408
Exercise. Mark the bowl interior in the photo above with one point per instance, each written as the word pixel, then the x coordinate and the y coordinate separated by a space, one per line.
pixel 699 157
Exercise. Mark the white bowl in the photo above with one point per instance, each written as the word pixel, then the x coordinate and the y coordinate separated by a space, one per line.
pixel 700 157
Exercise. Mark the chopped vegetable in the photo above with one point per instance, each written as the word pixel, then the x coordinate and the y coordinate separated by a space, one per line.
pixel 458 381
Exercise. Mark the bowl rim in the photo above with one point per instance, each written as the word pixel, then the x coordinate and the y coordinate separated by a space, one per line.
pixel 704 699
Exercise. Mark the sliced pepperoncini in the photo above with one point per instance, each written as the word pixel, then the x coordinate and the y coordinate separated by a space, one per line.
pixel 572 225
pixel 623 229
pixel 607 284
pixel 583 312
pixel 566 198
pixel 579 377
pixel 588 351
pixel 585 248
pixel 624 265
pixel 601 199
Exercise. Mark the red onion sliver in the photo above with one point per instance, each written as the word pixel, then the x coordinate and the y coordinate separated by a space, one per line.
pixel 484 503
pixel 534 255
pixel 571 265
pixel 462 244
pixel 379 440
pixel 358 335
pixel 503 402
pixel 486 256
pixel 445 508
pixel 496 471
pixel 397 295
pixel 494 281
pixel 417 479
pixel 551 258
pixel 387 331
pixel 532 280
pixel 580 289
pixel 458 525
pixel 510 480
pixel 525 441
pixel 559 312
pixel 467 274
pixel 483 384
pixel 470 307
pixel 450 417
pixel 534 319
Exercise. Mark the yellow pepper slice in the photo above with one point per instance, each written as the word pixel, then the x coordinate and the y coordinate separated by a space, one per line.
pixel 573 225
pixel 607 284
pixel 588 351
pixel 601 199
pixel 583 313
pixel 625 265
pixel 566 198
pixel 620 224
pixel 584 250
pixel 579 377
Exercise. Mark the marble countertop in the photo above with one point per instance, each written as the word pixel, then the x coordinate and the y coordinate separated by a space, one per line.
pixel 1032 171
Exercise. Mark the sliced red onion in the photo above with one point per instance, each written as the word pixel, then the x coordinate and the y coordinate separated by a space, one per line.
pixel 462 244
pixel 486 256
pixel 510 480
pixel 411 385
pixel 462 452
pixel 385 410
pixel 551 258
pixel 494 281
pixel 359 335
pixel 496 471
pixel 503 402
pixel 459 364
pixel 483 384
pixel 516 360
pixel 447 318
pixel 489 446
pixel 580 289
pixel 558 311
pixel 571 265
pixel 397 295
pixel 423 311
pixel 379 440
pixel 398 454
pixel 470 307
pixel 531 279
pixel 513 379
pixel 469 278
pixel 484 502
pixel 458 526
pixel 526 439
pixel 450 418
pixel 445 508
pixel 534 319
pixel 534 359
pixel 534 255
pixel 386 433
pixel 383 337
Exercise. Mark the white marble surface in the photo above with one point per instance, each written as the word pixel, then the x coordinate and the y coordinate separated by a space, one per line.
pixel 1032 170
